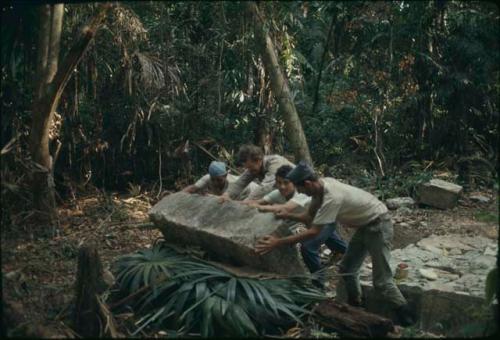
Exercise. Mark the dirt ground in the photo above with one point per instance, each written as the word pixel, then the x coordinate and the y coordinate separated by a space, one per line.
pixel 38 275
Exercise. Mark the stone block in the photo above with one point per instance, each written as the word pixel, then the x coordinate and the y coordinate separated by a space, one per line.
pixel 227 232
pixel 439 194
pixel 452 301
pixel 397 202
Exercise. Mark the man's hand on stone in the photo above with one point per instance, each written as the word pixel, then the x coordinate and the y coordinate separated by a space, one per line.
pixel 250 203
pixel 266 244
pixel 281 214
pixel 224 198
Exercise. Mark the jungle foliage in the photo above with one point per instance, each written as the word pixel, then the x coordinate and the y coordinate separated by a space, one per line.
pixel 164 85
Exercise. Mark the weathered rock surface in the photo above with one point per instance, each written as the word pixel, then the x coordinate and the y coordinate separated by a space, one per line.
pixel 445 283
pixel 397 202
pixel 227 231
pixel 480 199
pixel 438 193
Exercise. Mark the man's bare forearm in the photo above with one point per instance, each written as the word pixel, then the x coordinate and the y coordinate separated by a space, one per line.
pixel 303 217
pixel 305 235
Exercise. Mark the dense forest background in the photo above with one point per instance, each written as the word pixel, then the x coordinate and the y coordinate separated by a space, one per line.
pixel 386 91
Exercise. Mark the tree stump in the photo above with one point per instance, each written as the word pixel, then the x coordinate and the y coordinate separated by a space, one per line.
pixel 89 280
pixel 351 321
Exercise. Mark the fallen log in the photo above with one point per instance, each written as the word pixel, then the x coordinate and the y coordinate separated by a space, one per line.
pixel 351 321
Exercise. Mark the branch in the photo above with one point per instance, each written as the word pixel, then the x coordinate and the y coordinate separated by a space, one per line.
pixel 75 55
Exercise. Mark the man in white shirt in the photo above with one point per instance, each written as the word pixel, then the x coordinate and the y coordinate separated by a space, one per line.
pixel 286 198
pixel 217 182
pixel 333 201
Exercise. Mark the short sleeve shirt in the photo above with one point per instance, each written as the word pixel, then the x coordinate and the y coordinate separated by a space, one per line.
pixel 347 204
pixel 275 197
pixel 270 163
pixel 205 185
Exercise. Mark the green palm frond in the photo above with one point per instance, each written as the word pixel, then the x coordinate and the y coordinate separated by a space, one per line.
pixel 191 295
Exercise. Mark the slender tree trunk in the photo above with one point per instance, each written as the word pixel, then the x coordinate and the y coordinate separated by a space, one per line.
pixel 51 83
pixel 293 126
pixel 322 62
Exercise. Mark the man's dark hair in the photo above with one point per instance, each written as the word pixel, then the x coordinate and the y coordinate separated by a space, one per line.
pixel 283 171
pixel 301 173
pixel 250 152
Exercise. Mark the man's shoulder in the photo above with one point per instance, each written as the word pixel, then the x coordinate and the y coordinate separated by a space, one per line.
pixel 232 178
pixel 277 159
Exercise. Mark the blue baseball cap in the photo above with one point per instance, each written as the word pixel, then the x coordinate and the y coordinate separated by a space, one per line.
pixel 217 169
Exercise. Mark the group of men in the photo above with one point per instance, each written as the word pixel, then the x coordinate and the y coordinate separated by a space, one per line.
pixel 292 192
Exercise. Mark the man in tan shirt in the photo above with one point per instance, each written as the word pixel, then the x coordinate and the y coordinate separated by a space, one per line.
pixel 257 167
pixel 286 198
pixel 333 201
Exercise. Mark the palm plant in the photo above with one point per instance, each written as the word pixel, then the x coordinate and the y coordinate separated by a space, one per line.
pixel 191 295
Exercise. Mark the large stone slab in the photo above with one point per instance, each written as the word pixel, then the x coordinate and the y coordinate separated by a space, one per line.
pixel 227 231
pixel 452 300
pixel 438 193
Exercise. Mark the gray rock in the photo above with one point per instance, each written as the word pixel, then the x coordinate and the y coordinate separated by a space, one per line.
pixel 439 194
pixel 397 202
pixel 227 231
pixel 404 210
pixel 480 198
pixel 428 274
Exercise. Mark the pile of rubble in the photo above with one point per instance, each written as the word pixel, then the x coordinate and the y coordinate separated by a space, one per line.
pixel 444 282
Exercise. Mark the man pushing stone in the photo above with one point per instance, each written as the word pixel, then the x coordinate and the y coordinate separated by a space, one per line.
pixel 257 167
pixel 217 182
pixel 287 200
pixel 333 201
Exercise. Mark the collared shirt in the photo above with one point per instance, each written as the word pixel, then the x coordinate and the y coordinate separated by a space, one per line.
pixel 346 204
pixel 270 164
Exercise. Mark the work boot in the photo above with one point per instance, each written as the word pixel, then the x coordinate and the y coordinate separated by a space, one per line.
pixel 404 316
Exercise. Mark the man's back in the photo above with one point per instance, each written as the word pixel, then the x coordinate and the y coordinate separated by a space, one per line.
pixel 347 204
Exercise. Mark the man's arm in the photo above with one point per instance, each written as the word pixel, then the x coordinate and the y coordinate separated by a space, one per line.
pixel 269 242
pixel 304 217
pixel 191 189
pixel 287 207
pixel 198 186
pixel 238 186
pixel 255 203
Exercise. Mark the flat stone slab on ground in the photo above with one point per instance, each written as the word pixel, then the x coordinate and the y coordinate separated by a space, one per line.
pixel 445 288
pixel 439 194
pixel 227 231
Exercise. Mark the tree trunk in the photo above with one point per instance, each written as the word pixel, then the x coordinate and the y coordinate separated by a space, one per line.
pixel 322 63
pixel 51 83
pixel 293 126
pixel 89 279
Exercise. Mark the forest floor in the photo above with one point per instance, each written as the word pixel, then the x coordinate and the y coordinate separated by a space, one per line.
pixel 38 274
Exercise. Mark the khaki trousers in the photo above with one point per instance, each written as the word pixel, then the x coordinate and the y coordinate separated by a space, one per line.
pixel 374 239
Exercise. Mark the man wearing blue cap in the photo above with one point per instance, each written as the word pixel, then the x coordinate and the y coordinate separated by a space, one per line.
pixel 333 201
pixel 216 182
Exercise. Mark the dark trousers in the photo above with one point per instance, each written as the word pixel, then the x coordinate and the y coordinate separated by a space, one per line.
pixel 310 248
